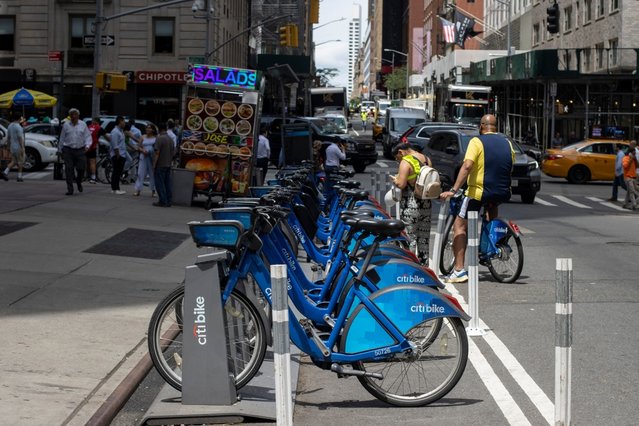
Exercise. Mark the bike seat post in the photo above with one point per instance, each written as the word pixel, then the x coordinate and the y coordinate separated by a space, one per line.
pixel 369 257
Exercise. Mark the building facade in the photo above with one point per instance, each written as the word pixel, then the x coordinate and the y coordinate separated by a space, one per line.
pixel 354 44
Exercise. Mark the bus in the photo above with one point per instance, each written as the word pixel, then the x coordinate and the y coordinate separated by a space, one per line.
pixel 463 104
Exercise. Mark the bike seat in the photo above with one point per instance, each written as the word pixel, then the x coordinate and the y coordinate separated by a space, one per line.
pixel 382 228
pixel 345 214
pixel 355 194
pixel 349 184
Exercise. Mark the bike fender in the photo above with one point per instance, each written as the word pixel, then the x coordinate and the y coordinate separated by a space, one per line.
pixel 405 306
pixel 390 271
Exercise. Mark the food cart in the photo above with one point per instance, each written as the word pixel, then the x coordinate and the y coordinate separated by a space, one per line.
pixel 221 129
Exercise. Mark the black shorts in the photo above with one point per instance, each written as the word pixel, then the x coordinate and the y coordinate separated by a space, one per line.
pixel 92 153
pixel 472 205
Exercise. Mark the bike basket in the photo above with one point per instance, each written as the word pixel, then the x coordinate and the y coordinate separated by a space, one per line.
pixel 241 214
pixel 216 233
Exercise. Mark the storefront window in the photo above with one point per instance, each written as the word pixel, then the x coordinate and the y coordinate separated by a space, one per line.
pixel 7 33
pixel 163 35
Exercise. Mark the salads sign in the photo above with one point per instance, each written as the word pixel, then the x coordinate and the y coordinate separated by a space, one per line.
pixel 210 75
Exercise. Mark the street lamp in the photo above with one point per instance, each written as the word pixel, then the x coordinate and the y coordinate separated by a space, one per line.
pixel 327 41
pixel 329 22
pixel 406 56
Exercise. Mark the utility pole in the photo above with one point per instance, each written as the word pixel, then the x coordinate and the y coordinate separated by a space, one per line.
pixel 97 55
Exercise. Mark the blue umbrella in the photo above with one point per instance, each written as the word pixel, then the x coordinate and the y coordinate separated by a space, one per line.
pixel 23 98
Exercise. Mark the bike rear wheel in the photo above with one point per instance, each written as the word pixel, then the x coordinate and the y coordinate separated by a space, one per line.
pixel 427 374
pixel 447 256
pixel 246 333
pixel 102 174
pixel 507 264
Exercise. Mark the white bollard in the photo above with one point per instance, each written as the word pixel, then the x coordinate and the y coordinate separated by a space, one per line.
pixel 437 244
pixel 563 341
pixel 378 184
pixel 281 347
pixel 473 328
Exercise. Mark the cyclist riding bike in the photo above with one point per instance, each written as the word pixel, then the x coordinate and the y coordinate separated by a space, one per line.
pixel 486 170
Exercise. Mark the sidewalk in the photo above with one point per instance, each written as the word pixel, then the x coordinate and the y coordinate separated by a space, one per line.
pixel 74 322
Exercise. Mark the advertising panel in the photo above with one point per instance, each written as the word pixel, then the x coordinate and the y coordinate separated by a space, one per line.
pixel 217 144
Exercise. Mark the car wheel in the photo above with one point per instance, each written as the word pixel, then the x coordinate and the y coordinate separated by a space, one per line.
pixel 579 174
pixel 32 160
pixel 528 197
pixel 359 167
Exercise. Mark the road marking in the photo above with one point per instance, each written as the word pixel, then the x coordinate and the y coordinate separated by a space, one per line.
pixel 38 175
pixel 382 164
pixel 544 202
pixel 606 203
pixel 571 202
pixel 506 403
pixel 537 396
pixel 525 230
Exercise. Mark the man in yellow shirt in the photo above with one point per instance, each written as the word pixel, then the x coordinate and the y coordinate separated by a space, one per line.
pixel 486 169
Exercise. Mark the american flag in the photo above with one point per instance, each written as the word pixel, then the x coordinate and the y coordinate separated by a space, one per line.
pixel 449 31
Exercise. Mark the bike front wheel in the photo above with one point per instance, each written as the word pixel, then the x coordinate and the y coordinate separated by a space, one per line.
pixel 426 374
pixel 507 264
pixel 246 344
pixel 447 255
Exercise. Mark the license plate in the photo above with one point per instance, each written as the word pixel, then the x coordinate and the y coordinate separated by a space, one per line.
pixel 514 183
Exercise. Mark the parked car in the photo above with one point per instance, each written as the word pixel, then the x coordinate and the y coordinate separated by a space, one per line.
pixel 44 129
pixel 446 149
pixel 419 134
pixel 359 153
pixel 339 120
pixel 40 150
pixel 396 121
pixel 592 159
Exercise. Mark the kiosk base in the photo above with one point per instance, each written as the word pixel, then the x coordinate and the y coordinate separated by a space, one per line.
pixel 257 401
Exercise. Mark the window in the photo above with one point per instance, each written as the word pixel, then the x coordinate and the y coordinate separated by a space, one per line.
pixel 599 148
pixel 535 35
pixel 7 33
pixel 614 45
pixel 567 58
pixel 600 8
pixel 568 18
pixel 614 5
pixel 585 54
pixel 599 55
pixel 587 11
pixel 438 142
pixel 577 15
pixel 163 35
pixel 80 26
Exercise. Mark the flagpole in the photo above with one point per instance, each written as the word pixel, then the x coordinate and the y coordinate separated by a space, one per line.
pixel 480 21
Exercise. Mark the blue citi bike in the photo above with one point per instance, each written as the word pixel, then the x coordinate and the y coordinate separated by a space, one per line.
pixel 500 247
pixel 405 343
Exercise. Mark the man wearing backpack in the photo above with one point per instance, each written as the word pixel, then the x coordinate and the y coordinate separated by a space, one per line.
pixel 486 170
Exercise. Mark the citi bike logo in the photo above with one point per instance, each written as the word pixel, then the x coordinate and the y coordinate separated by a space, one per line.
pixel 299 234
pixel 410 279
pixel 503 230
pixel 433 308
pixel 199 325
pixel 289 259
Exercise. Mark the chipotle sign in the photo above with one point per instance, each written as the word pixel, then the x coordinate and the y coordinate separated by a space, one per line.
pixel 160 77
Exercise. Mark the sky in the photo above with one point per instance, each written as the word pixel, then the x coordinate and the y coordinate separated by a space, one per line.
pixel 335 54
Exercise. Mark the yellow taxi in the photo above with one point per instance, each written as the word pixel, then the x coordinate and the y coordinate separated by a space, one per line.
pixel 592 159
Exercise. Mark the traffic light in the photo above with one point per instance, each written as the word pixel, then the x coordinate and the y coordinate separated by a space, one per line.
pixel 553 19
pixel 99 80
pixel 285 35
pixel 314 11
pixel 294 35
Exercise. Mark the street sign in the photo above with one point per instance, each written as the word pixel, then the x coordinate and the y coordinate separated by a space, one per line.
pixel 89 40
pixel 196 60
pixel 55 55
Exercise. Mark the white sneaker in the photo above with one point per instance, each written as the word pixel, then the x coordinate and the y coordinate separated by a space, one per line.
pixel 119 192
pixel 457 276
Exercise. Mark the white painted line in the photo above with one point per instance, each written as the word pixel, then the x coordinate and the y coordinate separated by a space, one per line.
pixel 543 202
pixel 382 164
pixel 38 175
pixel 525 230
pixel 606 203
pixel 543 404
pixel 571 202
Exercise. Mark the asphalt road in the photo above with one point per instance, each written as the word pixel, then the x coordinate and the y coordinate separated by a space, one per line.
pixel 566 221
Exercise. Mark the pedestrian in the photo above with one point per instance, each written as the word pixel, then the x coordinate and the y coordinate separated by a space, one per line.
pixel 75 141
pixel 163 156
pixel 96 132
pixel 263 152
pixel 170 131
pixel 117 152
pixel 15 142
pixel 557 141
pixel 132 138
pixel 415 213
pixel 145 166
pixel 335 153
pixel 630 176
pixel 364 116
pixel 486 170
pixel 619 180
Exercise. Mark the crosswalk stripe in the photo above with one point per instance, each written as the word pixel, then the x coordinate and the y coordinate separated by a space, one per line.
pixel 571 202
pixel 38 175
pixel 606 203
pixel 544 202
pixel 381 164
pixel 525 230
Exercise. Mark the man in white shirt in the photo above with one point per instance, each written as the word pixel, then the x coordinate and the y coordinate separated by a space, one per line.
pixel 170 130
pixel 334 154
pixel 75 141
pixel 263 152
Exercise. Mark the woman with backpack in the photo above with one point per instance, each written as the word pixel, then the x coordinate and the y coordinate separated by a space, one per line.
pixel 414 212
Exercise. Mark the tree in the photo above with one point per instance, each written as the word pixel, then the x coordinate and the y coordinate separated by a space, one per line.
pixel 396 80
pixel 325 74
